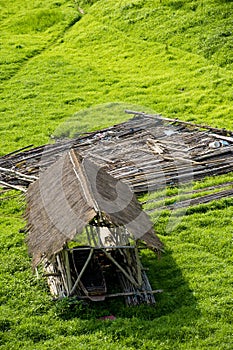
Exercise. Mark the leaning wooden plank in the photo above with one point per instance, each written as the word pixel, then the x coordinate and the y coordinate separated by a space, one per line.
pixel 131 279
pixel 19 188
pixel 81 272
pixel 106 247
pixel 93 235
pixel 67 267
pixel 139 270
pixel 88 235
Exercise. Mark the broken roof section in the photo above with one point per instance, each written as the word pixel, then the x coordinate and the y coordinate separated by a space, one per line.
pixel 148 152
pixel 69 194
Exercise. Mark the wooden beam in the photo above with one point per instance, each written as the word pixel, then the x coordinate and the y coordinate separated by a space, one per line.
pixel 63 273
pixel 131 279
pixel 19 188
pixel 139 271
pixel 81 272
pixel 107 247
pixel 114 295
pixel 67 266
pixel 23 176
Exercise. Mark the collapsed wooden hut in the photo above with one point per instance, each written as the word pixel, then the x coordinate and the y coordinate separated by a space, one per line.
pixel 147 152
pixel 85 226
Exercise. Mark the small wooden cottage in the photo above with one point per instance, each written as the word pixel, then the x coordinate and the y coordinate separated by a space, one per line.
pixel 85 226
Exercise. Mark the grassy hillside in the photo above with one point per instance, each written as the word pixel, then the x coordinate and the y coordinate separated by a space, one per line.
pixel 56 61
pixel 59 60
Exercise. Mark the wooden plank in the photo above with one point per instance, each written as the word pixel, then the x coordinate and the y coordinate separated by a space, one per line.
pixel 81 272
pixel 25 177
pixel 19 188
pixel 63 273
pixel 114 295
pixel 221 137
pixel 67 268
pixel 106 247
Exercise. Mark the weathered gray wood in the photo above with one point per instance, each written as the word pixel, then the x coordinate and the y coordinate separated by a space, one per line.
pixel 93 235
pixel 124 151
pixel 17 173
pixel 88 235
pixel 138 266
pixel 221 137
pixel 19 188
pixel 63 272
pixel 107 247
pixel 67 268
pixel 17 151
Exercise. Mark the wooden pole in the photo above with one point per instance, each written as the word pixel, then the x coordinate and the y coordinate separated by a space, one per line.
pixel 131 279
pixel 23 176
pixel 139 271
pixel 67 265
pixel 114 295
pixel 63 273
pixel 19 188
pixel 81 272
pixel 16 151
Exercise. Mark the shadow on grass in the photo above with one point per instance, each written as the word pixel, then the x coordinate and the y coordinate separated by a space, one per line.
pixel 172 320
pixel 163 274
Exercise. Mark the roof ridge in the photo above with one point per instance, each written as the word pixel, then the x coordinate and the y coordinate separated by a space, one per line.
pixel 76 160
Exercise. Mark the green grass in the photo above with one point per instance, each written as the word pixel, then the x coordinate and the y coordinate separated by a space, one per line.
pixel 73 63
pixel 63 73
pixel 171 195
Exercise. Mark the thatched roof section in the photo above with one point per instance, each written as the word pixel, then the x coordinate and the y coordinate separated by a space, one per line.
pixel 68 195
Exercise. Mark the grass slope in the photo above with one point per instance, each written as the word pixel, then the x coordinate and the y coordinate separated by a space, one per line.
pixel 57 63
pixel 170 57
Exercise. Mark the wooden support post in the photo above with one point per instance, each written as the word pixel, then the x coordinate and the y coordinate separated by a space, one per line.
pixel 81 272
pixel 67 265
pixel 88 235
pixel 139 270
pixel 63 274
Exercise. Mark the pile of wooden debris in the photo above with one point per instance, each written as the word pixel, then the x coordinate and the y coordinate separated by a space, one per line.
pixel 73 183
pixel 148 152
